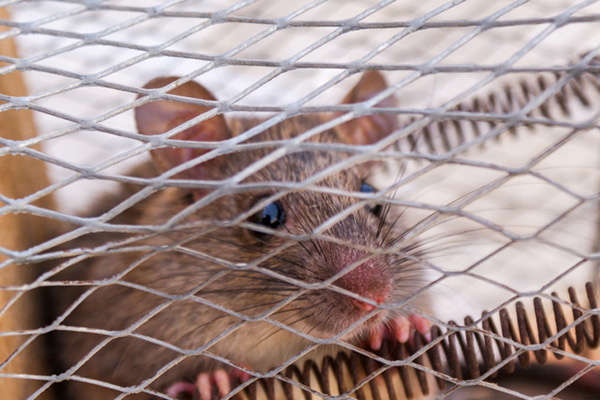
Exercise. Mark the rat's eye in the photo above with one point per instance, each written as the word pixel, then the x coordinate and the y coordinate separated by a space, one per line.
pixel 272 216
pixel 366 188
pixel 373 208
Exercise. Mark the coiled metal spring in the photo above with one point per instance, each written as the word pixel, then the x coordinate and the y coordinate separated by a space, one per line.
pixel 446 134
pixel 453 354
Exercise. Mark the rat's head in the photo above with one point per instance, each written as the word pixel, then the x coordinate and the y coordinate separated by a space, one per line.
pixel 320 232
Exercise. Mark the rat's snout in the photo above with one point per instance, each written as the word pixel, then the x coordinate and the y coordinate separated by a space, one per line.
pixel 371 280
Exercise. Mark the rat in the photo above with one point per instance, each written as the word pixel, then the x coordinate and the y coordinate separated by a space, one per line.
pixel 174 285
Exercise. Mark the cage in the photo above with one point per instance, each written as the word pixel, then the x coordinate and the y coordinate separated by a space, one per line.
pixel 299 199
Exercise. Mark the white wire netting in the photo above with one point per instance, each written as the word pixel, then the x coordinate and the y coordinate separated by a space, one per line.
pixel 491 178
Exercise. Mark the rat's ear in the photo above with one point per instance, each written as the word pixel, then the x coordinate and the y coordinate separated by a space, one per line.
pixel 161 116
pixel 372 128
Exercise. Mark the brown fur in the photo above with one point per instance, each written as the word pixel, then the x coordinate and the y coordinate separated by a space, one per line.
pixel 203 261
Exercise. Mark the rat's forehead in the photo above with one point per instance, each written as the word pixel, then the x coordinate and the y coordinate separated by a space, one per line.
pixel 297 165
pixel 326 166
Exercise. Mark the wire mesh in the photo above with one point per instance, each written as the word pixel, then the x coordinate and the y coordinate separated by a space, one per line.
pixel 491 169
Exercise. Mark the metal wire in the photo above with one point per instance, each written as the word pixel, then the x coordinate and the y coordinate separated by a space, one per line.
pixel 493 166
pixel 497 347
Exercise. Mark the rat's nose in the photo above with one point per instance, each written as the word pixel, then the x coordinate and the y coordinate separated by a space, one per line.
pixel 370 280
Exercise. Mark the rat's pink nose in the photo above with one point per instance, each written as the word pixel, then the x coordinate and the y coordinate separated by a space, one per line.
pixel 370 280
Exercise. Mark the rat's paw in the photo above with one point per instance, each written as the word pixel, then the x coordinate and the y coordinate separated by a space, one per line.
pixel 215 385
pixel 399 328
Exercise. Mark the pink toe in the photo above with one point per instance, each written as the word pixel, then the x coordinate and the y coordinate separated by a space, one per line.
pixel 222 381
pixel 181 387
pixel 402 328
pixel 422 325
pixel 376 337
pixel 204 386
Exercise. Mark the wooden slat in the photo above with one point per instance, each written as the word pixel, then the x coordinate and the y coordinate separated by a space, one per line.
pixel 20 176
